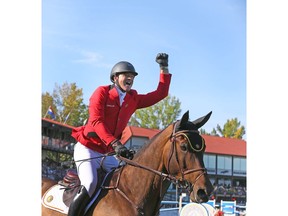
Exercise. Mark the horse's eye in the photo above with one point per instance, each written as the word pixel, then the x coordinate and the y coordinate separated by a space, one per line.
pixel 183 146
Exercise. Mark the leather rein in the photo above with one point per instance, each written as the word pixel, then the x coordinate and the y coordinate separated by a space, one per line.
pixel 179 182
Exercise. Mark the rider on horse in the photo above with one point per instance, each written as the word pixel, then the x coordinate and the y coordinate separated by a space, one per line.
pixel 110 108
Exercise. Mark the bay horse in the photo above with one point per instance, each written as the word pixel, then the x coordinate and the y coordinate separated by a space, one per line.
pixel 174 155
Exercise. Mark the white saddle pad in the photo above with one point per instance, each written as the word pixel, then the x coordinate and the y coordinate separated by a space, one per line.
pixel 52 199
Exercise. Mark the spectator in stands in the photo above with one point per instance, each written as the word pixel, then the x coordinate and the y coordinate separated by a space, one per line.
pixel 110 109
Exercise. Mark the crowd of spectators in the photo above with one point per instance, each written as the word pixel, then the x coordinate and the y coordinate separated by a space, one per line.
pixel 221 192
pixel 54 170
pixel 228 190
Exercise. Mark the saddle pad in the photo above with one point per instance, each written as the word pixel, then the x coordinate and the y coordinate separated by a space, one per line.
pixel 52 199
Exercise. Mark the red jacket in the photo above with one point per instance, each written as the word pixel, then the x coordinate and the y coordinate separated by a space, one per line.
pixel 107 119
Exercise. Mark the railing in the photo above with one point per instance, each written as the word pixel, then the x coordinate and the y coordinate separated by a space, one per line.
pixel 172 210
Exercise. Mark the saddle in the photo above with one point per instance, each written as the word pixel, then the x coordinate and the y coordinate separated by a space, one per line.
pixel 71 184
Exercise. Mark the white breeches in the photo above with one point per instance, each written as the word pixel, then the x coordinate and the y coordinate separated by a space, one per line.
pixel 87 169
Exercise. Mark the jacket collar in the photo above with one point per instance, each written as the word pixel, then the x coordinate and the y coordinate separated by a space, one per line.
pixel 115 95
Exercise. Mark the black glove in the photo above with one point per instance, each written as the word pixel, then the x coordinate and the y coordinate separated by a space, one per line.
pixel 162 60
pixel 120 149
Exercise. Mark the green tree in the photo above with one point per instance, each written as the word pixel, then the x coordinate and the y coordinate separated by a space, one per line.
pixel 232 128
pixel 159 115
pixel 213 132
pixel 203 131
pixel 47 100
pixel 67 103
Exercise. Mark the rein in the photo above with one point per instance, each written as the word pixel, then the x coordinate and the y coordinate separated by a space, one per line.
pixel 165 176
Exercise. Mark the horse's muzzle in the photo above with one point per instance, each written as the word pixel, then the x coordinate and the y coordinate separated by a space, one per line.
pixel 201 195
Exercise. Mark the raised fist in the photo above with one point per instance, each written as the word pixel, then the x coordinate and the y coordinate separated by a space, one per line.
pixel 162 60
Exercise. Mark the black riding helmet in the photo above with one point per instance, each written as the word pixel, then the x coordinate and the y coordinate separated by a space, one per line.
pixel 122 67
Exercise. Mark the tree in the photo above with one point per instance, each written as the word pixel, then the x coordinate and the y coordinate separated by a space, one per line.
pixel 213 132
pixel 47 100
pixel 231 129
pixel 67 104
pixel 158 116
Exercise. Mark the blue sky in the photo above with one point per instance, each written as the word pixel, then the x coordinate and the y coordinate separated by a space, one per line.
pixel 205 40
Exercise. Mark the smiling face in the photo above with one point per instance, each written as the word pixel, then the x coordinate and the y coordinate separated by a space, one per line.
pixel 124 81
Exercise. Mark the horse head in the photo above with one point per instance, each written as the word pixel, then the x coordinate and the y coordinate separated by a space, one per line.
pixel 185 160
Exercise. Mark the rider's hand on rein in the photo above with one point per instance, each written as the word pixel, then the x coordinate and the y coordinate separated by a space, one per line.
pixel 121 150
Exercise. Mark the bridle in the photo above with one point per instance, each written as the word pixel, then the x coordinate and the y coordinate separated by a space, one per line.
pixel 179 182
pixel 182 182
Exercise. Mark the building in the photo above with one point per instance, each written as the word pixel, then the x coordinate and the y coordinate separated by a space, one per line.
pixel 224 158
pixel 57 148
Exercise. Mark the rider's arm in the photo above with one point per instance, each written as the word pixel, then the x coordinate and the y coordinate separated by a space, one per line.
pixel 163 87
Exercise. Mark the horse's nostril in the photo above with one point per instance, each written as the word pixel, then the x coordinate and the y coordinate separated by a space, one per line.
pixel 202 195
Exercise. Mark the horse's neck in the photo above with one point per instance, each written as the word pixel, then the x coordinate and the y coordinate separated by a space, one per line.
pixel 152 155
pixel 148 184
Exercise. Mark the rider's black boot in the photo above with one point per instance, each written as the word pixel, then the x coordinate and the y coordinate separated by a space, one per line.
pixel 80 201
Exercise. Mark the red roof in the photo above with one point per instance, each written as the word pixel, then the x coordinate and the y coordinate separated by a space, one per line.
pixel 214 144
pixel 227 146
pixel 58 123
pixel 137 132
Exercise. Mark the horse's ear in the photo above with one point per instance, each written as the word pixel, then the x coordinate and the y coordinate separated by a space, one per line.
pixel 184 119
pixel 201 121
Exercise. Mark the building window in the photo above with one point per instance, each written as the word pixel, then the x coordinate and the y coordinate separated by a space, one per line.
pixel 210 163
pixel 136 143
pixel 224 165
pixel 225 182
pixel 239 166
